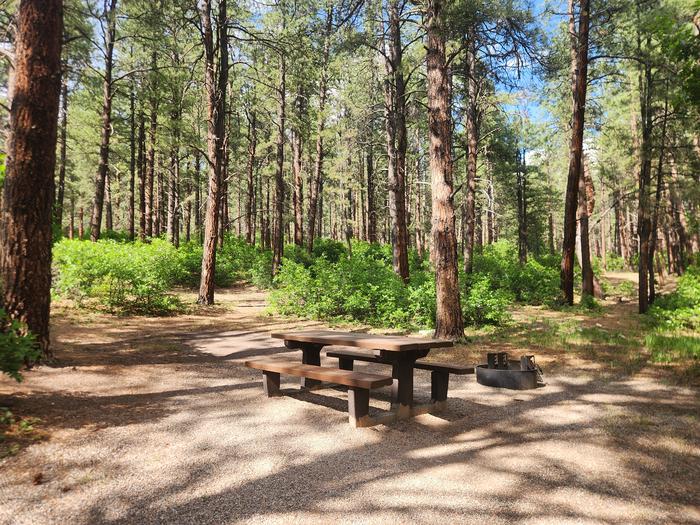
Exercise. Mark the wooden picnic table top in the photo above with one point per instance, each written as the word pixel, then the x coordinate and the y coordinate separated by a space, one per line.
pixel 390 343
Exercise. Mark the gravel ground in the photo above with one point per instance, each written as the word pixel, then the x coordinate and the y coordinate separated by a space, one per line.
pixel 166 426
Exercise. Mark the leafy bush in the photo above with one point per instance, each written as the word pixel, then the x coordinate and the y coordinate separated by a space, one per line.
pixel 16 349
pixel 615 263
pixel 329 249
pixel 364 288
pixel 535 282
pixel 124 277
pixel 482 305
pixel 235 261
pixel 680 309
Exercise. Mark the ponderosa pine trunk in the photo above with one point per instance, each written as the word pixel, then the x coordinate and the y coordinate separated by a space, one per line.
pixel 396 139
pixel 103 166
pixel 250 173
pixel 142 176
pixel 61 188
pixel 278 232
pixel 644 210
pixel 297 175
pixel 316 181
pixel 579 81
pixel 28 192
pixel 657 201
pixel 472 125
pixel 132 162
pixel 216 129
pixel 583 215
pixel 449 322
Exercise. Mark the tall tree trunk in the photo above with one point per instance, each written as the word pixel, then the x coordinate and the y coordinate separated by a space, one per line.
pixel 396 140
pixel 142 177
pixel 250 172
pixel 657 201
pixel 644 211
pixel 371 197
pixel 522 205
pixel 579 81
pixel 472 124
pixel 109 225
pixel 278 234
pixel 297 145
pixel 103 167
pixel 174 180
pixel 198 194
pixel 449 322
pixel 132 161
pixel 316 182
pixel 58 208
pixel 585 255
pixel 151 167
pixel 216 128
pixel 28 192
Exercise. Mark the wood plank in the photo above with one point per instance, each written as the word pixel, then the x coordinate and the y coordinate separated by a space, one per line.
pixel 376 342
pixel 452 368
pixel 328 375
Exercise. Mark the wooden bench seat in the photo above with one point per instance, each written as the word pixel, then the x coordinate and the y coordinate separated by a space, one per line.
pixel 439 377
pixel 359 383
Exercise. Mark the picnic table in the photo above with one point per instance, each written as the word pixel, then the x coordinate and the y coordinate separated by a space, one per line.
pixel 399 351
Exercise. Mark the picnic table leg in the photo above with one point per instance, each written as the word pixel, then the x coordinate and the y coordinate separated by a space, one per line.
pixel 402 372
pixel 310 355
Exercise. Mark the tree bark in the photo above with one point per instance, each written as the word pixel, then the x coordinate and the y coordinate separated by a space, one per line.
pixel 142 177
pixel 61 189
pixel 316 182
pixel 472 125
pixel 28 192
pixel 644 211
pixel 132 161
pixel 250 172
pixel 657 201
pixel 216 128
pixel 396 140
pixel 103 167
pixel 579 80
pixel 278 233
pixel 297 145
pixel 448 322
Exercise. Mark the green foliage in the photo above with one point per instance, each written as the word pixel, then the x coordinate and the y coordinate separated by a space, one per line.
pixel 668 348
pixel 483 305
pixel 535 282
pixel 615 263
pixel 123 277
pixel 16 347
pixel 2 170
pixel 236 261
pixel 363 288
pixel 680 309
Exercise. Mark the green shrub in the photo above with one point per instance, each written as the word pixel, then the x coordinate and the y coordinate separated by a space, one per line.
pixel 124 277
pixel 482 305
pixel 236 261
pixel 667 348
pixel 364 288
pixel 680 309
pixel 16 349
pixel 615 263
pixel 535 282
pixel 329 249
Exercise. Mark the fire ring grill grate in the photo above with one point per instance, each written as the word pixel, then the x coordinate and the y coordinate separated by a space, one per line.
pixel 501 373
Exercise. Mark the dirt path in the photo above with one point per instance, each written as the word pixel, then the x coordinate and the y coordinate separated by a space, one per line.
pixel 155 421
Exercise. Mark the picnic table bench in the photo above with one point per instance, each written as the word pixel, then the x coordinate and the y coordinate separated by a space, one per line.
pixel 402 353
pixel 439 372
